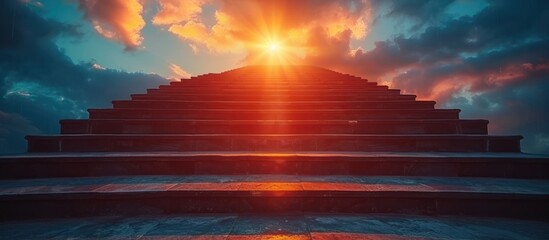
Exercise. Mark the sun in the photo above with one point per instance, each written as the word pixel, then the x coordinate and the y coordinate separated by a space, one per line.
pixel 273 47
pixel 271 51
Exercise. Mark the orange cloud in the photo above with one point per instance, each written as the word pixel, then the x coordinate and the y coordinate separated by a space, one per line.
pixel 117 20
pixel 193 31
pixel 251 24
pixel 177 11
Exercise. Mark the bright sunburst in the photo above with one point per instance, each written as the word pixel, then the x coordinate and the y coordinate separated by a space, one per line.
pixel 273 47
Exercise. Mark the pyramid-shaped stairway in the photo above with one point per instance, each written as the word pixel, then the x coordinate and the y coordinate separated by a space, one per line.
pixel 258 139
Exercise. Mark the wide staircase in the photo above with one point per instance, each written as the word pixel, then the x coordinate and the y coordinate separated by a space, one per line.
pixel 266 141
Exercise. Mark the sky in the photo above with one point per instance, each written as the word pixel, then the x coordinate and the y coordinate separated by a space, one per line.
pixel 488 58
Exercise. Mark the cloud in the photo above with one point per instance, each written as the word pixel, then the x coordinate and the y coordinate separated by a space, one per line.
pixel 480 63
pixel 39 84
pixel 97 66
pixel 193 31
pixel 418 10
pixel 117 20
pixel 248 25
pixel 14 126
pixel 178 72
pixel 176 11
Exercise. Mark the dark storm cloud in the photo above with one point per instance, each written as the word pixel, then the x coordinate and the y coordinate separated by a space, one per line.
pixel 502 24
pixel 39 84
pixel 518 108
pixel 420 10
pixel 493 64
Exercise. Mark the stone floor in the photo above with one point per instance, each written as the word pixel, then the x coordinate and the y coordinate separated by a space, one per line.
pixel 276 227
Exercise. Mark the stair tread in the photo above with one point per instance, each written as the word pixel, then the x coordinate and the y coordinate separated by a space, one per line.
pixel 316 154
pixel 276 110
pixel 276 102
pixel 404 136
pixel 252 184
pixel 276 121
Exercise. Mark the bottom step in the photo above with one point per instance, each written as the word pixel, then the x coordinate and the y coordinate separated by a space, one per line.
pixel 308 226
pixel 69 197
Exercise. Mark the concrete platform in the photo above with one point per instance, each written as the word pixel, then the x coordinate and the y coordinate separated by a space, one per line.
pixel 309 226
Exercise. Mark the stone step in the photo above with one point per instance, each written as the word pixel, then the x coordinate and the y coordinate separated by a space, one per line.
pixel 273 114
pixel 273 92
pixel 179 104
pixel 52 165
pixel 272 98
pixel 259 85
pixel 305 226
pixel 172 126
pixel 309 76
pixel 261 78
pixel 140 195
pixel 274 88
pixel 253 78
pixel 272 142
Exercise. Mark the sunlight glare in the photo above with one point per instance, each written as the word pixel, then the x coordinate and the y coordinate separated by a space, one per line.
pixel 273 47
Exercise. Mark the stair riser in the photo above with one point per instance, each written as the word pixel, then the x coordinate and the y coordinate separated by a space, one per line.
pixel 271 143
pixel 259 106
pixel 105 204
pixel 193 127
pixel 206 91
pixel 209 165
pixel 270 115
pixel 282 87
pixel 273 90
pixel 273 98
pixel 275 84
pixel 262 87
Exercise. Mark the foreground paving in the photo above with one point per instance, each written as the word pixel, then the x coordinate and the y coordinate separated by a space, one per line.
pixel 313 226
